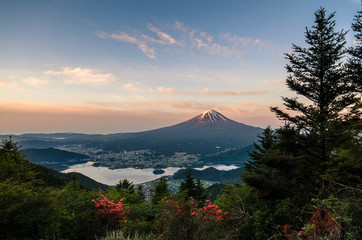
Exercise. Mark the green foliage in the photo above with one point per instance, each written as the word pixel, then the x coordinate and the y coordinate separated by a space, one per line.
pixel 266 142
pixel 346 210
pixel 199 191
pixel 125 185
pixel 212 174
pixel 161 190
pixel 73 204
pixel 276 170
pixel 141 213
pixel 188 185
pixel 26 210
pixel 26 213
pixel 140 193
pixel 49 177
pixel 214 190
pixel 257 218
pixel 14 168
pixel 140 219
pixel 190 189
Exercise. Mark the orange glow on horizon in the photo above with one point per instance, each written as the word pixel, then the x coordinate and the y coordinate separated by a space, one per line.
pixel 29 117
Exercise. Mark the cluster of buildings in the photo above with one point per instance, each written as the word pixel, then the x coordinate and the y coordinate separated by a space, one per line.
pixel 134 159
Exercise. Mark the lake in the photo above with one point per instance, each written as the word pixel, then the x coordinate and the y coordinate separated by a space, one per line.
pixel 112 176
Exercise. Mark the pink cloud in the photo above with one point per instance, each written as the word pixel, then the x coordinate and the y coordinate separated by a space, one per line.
pixel 161 90
pixel 82 75
pixel 165 38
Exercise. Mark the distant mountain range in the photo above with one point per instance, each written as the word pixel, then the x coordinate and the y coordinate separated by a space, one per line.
pixel 210 136
pixel 205 133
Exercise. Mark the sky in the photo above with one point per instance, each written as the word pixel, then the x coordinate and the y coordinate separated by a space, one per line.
pixel 124 66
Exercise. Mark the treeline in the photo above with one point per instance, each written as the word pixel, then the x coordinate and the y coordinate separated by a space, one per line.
pixel 35 203
pixel 303 180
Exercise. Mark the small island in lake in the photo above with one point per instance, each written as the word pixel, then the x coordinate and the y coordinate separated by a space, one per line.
pixel 158 171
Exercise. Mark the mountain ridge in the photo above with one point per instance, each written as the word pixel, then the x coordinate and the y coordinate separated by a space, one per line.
pixel 208 132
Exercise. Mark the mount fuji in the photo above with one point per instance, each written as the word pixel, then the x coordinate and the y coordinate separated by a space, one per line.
pixel 207 132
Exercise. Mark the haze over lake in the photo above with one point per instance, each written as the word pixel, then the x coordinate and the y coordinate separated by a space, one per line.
pixel 112 176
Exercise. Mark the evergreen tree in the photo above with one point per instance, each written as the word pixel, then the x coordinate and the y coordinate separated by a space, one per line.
pixel 26 208
pixel 298 156
pixel 199 191
pixel 318 74
pixel 140 193
pixel 266 141
pixel 14 167
pixel 161 190
pixel 187 186
pixel 275 169
pixel 125 186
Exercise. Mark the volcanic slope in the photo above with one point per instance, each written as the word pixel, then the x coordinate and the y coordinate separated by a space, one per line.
pixel 208 132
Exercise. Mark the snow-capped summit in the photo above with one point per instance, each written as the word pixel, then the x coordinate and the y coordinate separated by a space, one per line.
pixel 209 116
pixel 206 132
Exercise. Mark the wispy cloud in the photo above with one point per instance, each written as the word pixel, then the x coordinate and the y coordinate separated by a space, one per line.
pixel 141 43
pixel 161 90
pixel 245 41
pixel 205 42
pixel 34 82
pixel 134 87
pixel 226 44
pixel 205 91
pixel 101 34
pixel 11 85
pixel 165 38
pixel 82 75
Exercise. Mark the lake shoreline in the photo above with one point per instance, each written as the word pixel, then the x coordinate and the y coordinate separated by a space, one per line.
pixel 112 176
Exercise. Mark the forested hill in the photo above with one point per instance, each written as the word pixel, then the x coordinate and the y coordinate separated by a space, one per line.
pixel 212 174
pixel 54 178
pixel 53 158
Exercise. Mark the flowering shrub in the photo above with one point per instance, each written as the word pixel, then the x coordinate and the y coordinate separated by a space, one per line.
pixel 188 220
pixel 109 215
